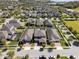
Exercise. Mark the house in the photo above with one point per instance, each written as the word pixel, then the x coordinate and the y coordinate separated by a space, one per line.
pixel 39 22
pixel 5 14
pixel 39 35
pixel 48 23
pixel 9 28
pixel 52 35
pixel 15 23
pixel 31 21
pixel 10 7
pixel 3 35
pixel 28 35
pixel 33 13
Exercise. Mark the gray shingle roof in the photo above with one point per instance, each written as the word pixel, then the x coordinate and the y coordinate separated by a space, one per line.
pixel 7 28
pixel 39 33
pixel 47 23
pixel 27 38
pixel 28 35
pixel 15 23
pixel 39 22
pixel 52 35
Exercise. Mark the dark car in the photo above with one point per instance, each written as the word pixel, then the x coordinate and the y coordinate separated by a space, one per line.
pixel 41 49
pixel 76 43
pixel 5 49
pixel 19 49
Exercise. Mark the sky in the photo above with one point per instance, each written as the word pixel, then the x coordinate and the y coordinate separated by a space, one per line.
pixel 64 0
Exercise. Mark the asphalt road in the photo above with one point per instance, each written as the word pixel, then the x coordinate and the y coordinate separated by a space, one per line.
pixel 36 53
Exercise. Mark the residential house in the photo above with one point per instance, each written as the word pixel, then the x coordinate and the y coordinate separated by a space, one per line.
pixel 31 21
pixel 39 35
pixel 28 35
pixel 39 22
pixel 15 23
pixel 3 35
pixel 48 23
pixel 9 28
pixel 52 35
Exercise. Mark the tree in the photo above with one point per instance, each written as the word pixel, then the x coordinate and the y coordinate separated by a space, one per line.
pixel 20 44
pixel 32 41
pixel 75 15
pixel 43 44
pixel 77 37
pixel 75 32
pixel 58 56
pixel 52 44
pixel 70 28
pixel 71 57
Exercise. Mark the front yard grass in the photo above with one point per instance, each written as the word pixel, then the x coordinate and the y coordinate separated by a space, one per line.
pixel 13 43
pixel 64 57
pixel 19 30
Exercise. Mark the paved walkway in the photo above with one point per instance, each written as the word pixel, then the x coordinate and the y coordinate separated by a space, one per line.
pixel 58 46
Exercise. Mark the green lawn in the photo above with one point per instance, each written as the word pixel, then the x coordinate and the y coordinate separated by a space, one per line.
pixel 19 30
pixel 73 24
pixel 63 43
pixel 76 9
pixel 63 57
pixel 13 43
